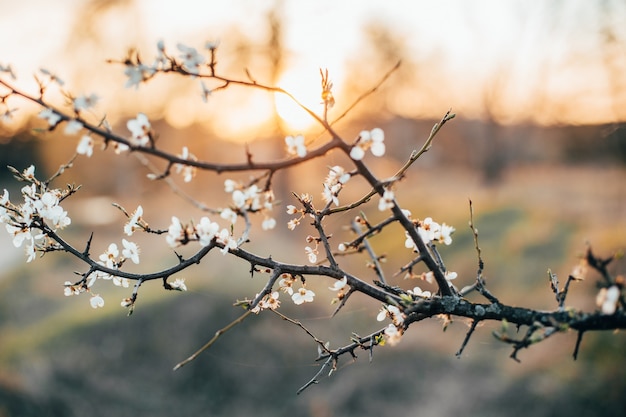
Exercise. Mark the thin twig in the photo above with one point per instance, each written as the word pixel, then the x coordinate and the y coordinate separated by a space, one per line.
pixel 213 339
pixel 367 93
pixel 377 267
pixel 300 325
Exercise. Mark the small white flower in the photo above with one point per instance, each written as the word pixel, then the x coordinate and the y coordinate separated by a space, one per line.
pixel 70 289
pixel 417 291
pixel 295 146
pixel 31 253
pixel 132 225
pixel 339 285
pixel 109 256
pixel 120 282
pixel 357 153
pixel 428 230
pixel 450 276
pixel 229 214
pixel 179 284
pixel 286 284
pixel 230 185
pixel 50 116
pixel 311 254
pixel 373 140
pixel 191 58
pixel 85 146
pixel 227 240
pixel 130 251
pixel 126 302
pixel 239 198
pixel 137 74
pixel 607 299
pixel 386 201
pixel 268 223
pixel 85 102
pixel 175 233
pixel 206 230
pixel 303 296
pixel 391 312
pixel 394 335
pixel 378 146
pixel 270 301
pixel 445 234
pixel 96 301
pixel 29 174
pixel 20 234
pixel 140 129
pixel 72 127
pixel 187 171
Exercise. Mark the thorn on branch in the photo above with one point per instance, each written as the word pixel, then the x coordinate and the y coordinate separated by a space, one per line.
pixel 88 246
pixel 579 339
pixel 467 337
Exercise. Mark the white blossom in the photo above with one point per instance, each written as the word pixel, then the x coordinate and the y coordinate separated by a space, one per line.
pixel 85 102
pixel 72 127
pixel 607 299
pixel 206 230
pixel 302 296
pixel 179 284
pixel 96 301
pixel 296 146
pixel 50 116
pixel 85 146
pixel 133 222
pixel 140 130
pixel 191 58
pixel 130 251
pixel 339 284
pixel 372 140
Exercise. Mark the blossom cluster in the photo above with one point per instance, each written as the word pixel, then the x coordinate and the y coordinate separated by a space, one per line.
pixel 291 210
pixel 73 124
pixel 430 231
pixel 333 184
pixel 302 295
pixel 296 145
pixel 395 329
pixel 269 301
pixel 189 59
pixel 187 171
pixel 368 139
pixel 205 232
pixel 111 260
pixel 27 222
pixel 249 199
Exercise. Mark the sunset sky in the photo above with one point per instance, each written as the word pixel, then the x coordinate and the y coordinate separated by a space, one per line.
pixel 544 61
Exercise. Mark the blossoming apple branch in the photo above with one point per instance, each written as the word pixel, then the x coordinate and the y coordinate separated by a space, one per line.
pixel 36 222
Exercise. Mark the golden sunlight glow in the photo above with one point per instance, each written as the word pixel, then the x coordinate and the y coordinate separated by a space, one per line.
pixel 509 55
pixel 304 85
